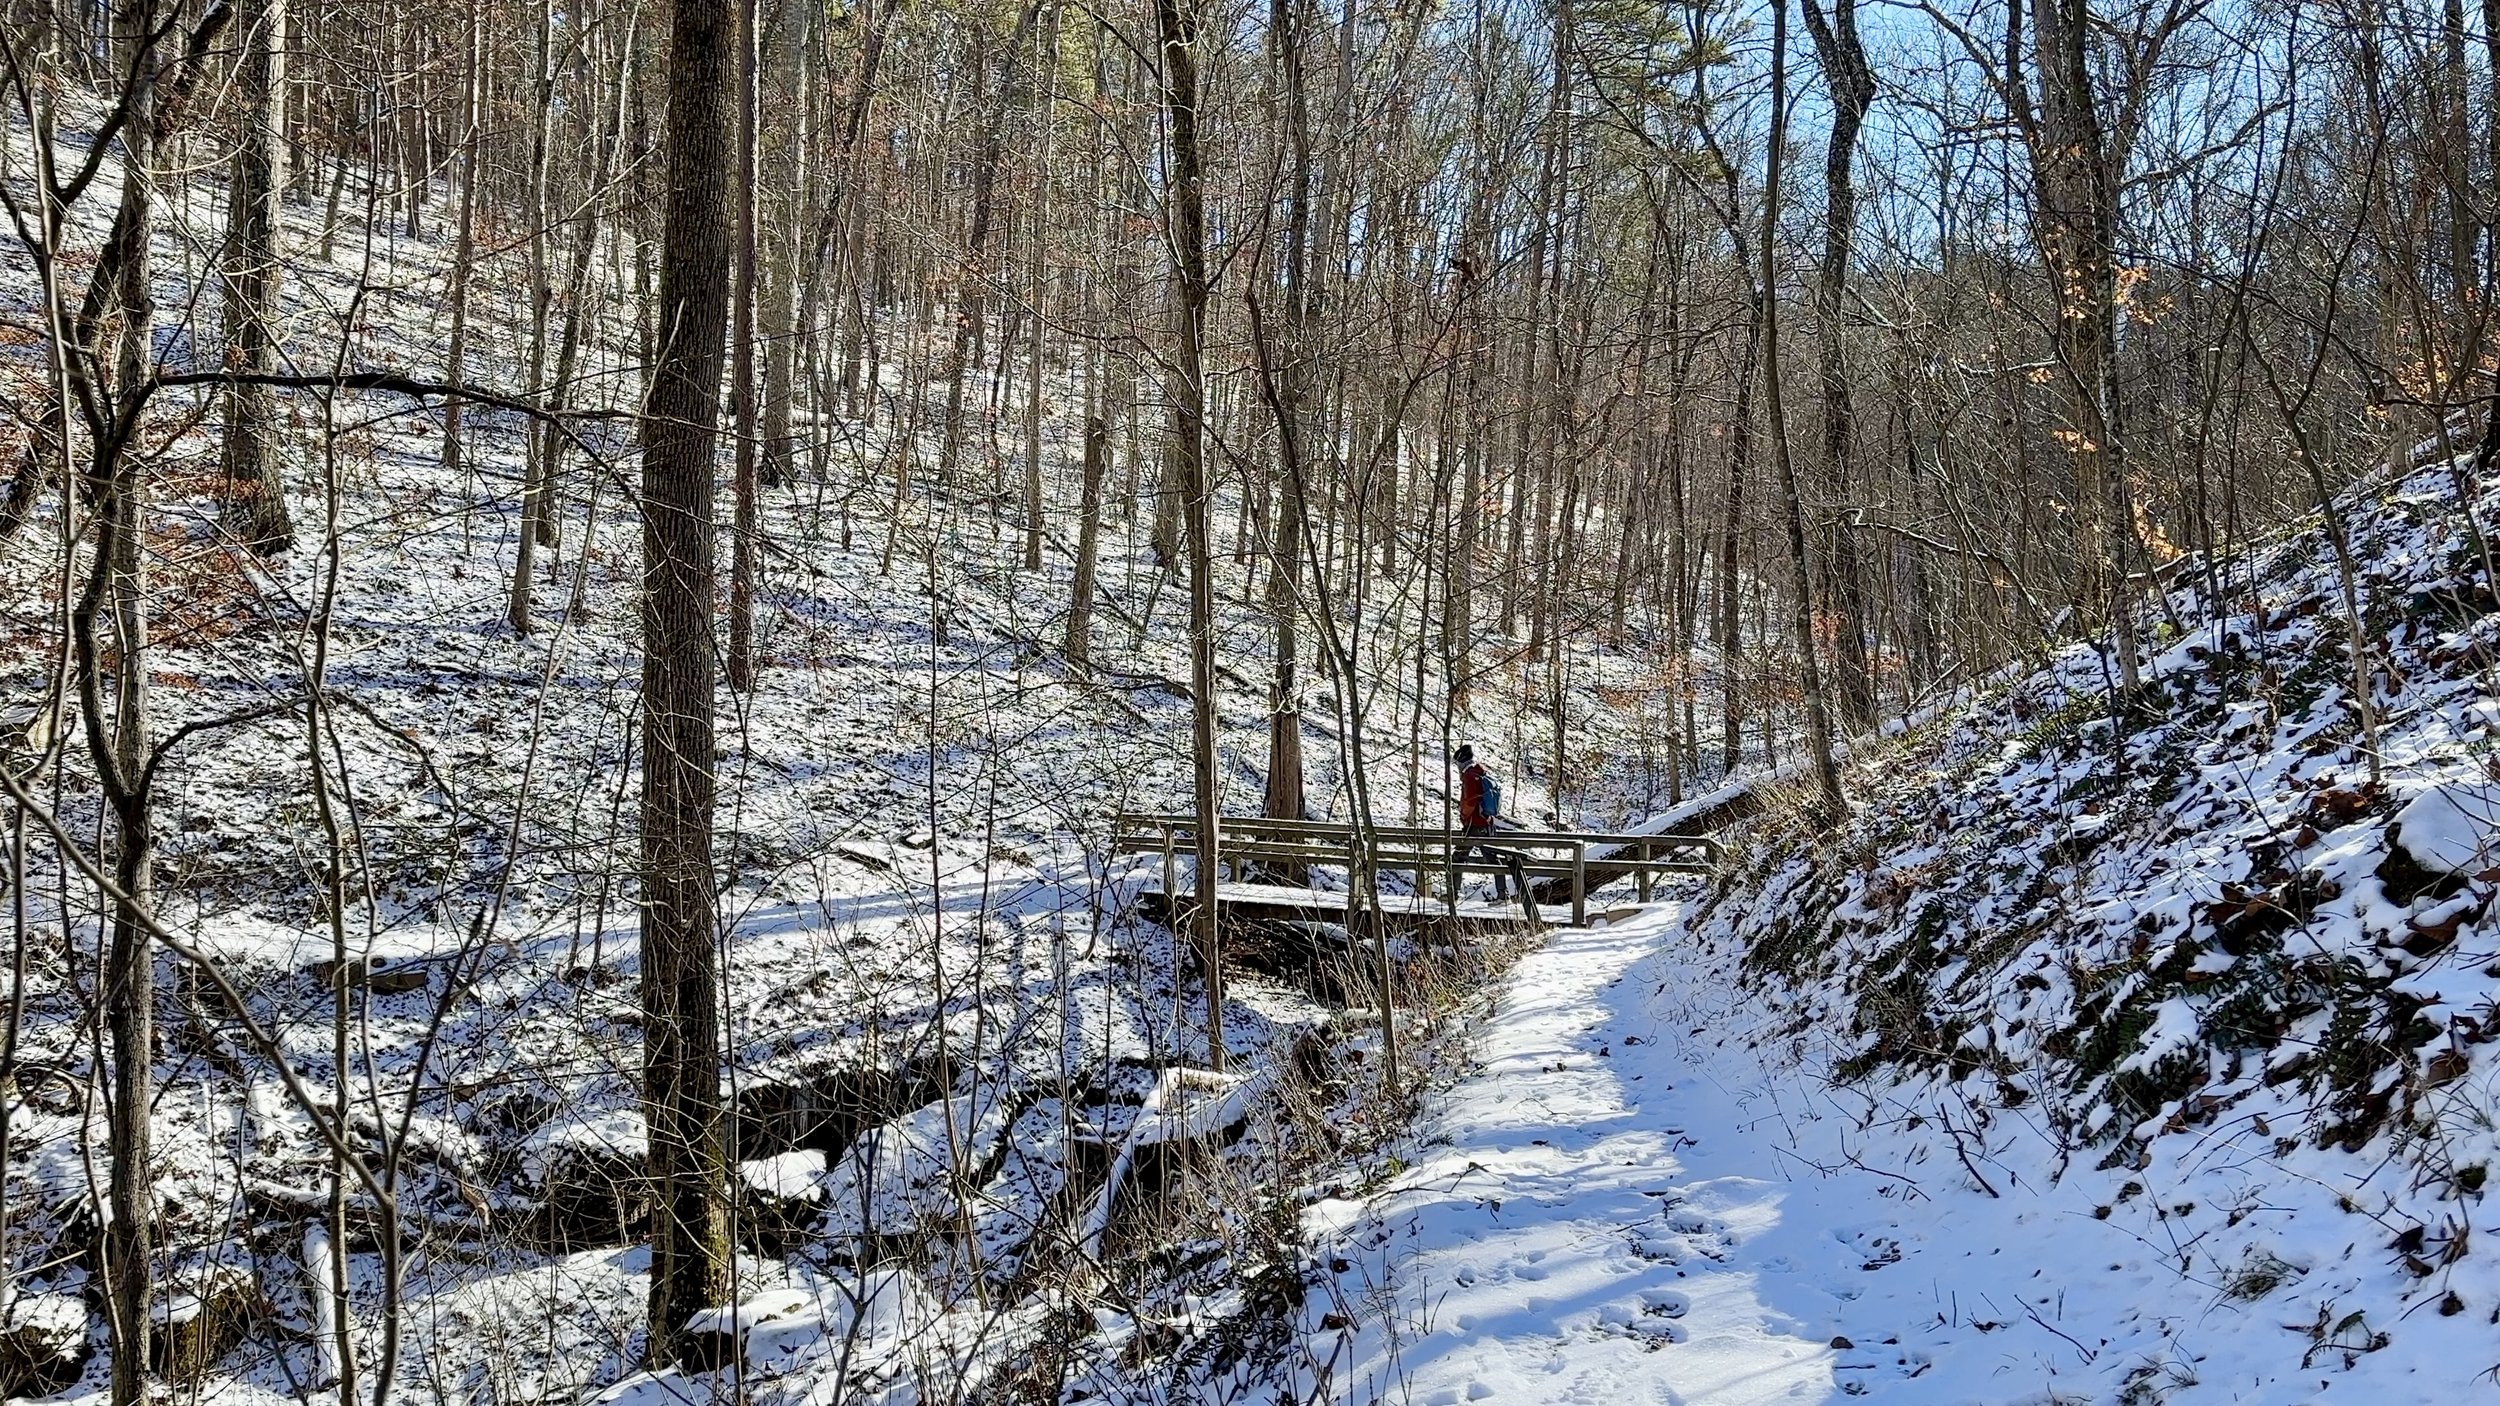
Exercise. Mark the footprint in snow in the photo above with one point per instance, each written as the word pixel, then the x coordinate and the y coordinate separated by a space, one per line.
pixel 1677 1233
pixel 1859 1367
pixel 1873 1247
pixel 1641 1322
pixel 1664 1303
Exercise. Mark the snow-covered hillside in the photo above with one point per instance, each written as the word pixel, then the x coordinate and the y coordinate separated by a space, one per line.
pixel 2121 1048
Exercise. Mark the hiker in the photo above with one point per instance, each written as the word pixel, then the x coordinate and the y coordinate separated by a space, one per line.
pixel 1479 805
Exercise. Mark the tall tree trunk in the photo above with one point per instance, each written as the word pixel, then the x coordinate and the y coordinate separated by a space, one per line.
pixel 1469 317
pixel 2075 225
pixel 788 170
pixel 1852 88
pixel 1177 22
pixel 2456 152
pixel 1739 468
pixel 536 521
pixel 1088 543
pixel 1037 280
pixel 745 507
pixel 1818 709
pixel 680 979
pixel 1284 799
pixel 464 240
pixel 255 486
pixel 118 320
pixel 2489 454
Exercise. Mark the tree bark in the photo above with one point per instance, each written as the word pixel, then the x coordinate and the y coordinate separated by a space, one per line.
pixel 1177 23
pixel 1088 544
pixel 2074 223
pixel 537 524
pixel 255 485
pixel 1037 281
pixel 119 319
pixel 1284 799
pixel 680 983
pixel 741 655
pixel 464 240
pixel 1852 87
pixel 1818 709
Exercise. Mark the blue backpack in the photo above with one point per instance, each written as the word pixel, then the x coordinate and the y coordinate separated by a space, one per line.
pixel 1492 798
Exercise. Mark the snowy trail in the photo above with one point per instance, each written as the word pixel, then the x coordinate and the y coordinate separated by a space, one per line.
pixel 1556 1244
pixel 1627 1203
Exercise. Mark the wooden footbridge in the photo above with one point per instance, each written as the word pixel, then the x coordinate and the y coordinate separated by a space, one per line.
pixel 1266 868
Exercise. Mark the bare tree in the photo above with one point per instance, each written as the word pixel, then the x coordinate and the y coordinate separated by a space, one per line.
pixel 680 977
pixel 256 510
pixel 1774 406
pixel 1177 24
pixel 1851 85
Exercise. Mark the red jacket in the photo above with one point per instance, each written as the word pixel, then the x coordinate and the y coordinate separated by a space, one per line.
pixel 1471 814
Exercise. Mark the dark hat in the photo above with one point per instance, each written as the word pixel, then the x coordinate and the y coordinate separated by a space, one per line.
pixel 1464 754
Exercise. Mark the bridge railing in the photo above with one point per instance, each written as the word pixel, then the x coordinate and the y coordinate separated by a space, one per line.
pixel 1582 860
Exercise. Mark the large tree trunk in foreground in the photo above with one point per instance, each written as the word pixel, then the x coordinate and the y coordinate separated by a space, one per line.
pixel 680 985
pixel 1285 800
pixel 1187 471
pixel 744 504
pixel 118 321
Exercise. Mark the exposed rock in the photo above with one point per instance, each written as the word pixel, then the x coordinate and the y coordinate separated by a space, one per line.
pixel 828 1110
pixel 589 1174
pixel 717 1338
pixel 1188 1111
pixel 782 1197
pixel 2449 828
pixel 379 978
pixel 205 1311
pixel 43 1345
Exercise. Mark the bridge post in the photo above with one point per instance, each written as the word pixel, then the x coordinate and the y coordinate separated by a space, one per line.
pixel 1353 882
pixel 1640 880
pixel 1171 883
pixel 1579 883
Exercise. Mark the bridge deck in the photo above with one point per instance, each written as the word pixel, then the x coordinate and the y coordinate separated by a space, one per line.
pixel 1564 867
pixel 1402 910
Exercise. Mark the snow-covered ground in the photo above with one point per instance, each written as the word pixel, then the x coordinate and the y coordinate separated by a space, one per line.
pixel 1569 1218
pixel 1644 1195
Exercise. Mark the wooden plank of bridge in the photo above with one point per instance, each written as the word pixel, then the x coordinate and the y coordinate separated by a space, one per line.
pixel 1574 874
pixel 1285 900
